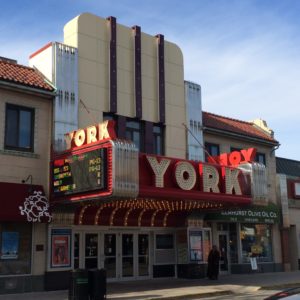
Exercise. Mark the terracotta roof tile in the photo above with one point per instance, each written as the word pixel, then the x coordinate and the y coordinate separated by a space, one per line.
pixel 23 75
pixel 234 126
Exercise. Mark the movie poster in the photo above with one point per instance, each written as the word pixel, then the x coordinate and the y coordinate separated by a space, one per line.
pixel 60 248
pixel 196 251
pixel 10 245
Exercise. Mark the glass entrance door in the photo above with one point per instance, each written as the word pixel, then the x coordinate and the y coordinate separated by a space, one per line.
pixel 110 255
pixel 91 251
pixel 127 261
pixel 223 248
pixel 143 255
pixel 134 261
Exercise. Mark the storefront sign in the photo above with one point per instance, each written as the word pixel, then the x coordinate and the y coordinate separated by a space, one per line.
pixel 255 214
pixel 253 263
pixel 234 158
pixel 91 134
pixel 60 248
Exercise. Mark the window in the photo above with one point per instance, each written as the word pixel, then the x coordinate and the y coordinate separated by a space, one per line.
pixel 256 242
pixel 261 158
pixel 19 126
pixel 235 149
pixel 15 243
pixel 212 149
pixel 134 133
pixel 164 241
pixel 158 140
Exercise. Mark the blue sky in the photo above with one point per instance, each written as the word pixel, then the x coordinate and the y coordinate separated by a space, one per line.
pixel 244 53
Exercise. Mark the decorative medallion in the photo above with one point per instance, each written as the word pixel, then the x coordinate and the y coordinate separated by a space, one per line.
pixel 35 207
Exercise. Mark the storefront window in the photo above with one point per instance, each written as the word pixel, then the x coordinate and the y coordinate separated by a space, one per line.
pixel 15 245
pixel 256 242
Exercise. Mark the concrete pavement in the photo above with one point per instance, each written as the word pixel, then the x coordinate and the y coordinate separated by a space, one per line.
pixel 179 288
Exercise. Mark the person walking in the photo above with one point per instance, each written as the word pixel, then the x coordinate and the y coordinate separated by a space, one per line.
pixel 213 263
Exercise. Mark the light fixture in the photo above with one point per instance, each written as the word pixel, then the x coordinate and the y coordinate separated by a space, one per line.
pixel 25 180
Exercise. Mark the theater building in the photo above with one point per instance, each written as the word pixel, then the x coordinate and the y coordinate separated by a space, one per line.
pixel 137 215
pixel 126 194
pixel 25 137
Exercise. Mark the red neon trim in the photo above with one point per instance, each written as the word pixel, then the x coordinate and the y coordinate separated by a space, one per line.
pixel 151 192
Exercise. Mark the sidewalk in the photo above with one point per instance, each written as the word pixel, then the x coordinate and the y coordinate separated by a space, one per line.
pixel 179 288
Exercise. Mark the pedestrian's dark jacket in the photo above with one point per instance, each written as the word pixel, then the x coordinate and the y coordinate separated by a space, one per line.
pixel 213 264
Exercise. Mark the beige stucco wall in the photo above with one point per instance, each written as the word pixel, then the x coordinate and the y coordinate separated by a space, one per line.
pixel 16 166
pixel 91 34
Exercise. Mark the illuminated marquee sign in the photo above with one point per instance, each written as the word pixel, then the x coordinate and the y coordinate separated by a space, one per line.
pixel 79 173
pixel 182 179
pixel 98 165
pixel 234 158
pixel 91 134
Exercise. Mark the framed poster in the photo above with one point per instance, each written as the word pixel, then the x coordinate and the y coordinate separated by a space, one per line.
pixel 196 247
pixel 10 245
pixel 60 248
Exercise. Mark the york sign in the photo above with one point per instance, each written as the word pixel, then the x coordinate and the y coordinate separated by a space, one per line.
pixel 188 176
pixel 91 134
pixel 182 179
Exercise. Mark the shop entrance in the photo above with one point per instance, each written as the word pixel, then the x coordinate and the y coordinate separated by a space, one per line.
pixel 124 255
pixel 223 245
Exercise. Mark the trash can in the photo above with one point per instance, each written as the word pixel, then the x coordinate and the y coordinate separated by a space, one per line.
pixel 97 284
pixel 79 285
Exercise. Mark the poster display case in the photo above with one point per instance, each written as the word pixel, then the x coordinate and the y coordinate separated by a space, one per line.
pixel 199 242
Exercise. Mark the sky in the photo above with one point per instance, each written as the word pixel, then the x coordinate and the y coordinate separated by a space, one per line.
pixel 243 53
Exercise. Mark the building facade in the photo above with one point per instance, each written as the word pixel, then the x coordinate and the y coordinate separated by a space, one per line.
pixel 128 186
pixel 288 194
pixel 254 231
pixel 25 138
pixel 138 208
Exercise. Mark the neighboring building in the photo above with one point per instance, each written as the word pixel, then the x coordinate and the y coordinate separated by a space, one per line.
pixel 254 231
pixel 288 195
pixel 25 142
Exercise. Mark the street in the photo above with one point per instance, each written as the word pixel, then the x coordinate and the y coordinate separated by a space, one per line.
pixel 246 295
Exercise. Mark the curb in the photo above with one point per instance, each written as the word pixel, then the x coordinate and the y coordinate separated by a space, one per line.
pixel 280 286
pixel 192 296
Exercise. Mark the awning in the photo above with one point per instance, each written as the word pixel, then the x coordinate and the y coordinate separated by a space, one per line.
pixel 23 202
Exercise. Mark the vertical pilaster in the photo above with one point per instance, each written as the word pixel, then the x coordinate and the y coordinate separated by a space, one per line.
pixel 161 77
pixel 113 65
pixel 137 72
